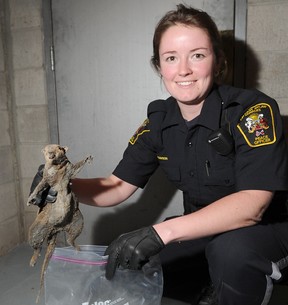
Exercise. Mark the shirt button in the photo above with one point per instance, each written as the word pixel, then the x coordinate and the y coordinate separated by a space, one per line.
pixel 192 174
pixel 190 144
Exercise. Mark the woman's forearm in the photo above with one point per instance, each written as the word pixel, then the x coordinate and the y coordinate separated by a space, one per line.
pixel 102 191
pixel 238 210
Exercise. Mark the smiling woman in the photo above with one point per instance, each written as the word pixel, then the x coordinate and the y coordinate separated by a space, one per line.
pixel 187 66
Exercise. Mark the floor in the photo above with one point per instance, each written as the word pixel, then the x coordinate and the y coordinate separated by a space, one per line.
pixel 19 282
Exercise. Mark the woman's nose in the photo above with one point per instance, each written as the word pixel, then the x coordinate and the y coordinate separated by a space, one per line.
pixel 184 68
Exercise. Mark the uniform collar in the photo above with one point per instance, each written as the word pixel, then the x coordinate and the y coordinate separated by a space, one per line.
pixel 173 116
pixel 211 111
pixel 209 116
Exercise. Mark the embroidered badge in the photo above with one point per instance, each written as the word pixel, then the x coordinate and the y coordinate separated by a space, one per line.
pixel 142 129
pixel 257 125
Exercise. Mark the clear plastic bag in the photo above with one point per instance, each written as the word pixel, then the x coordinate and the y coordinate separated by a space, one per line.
pixel 78 278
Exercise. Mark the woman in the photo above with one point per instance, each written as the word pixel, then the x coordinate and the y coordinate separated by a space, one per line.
pixel 224 148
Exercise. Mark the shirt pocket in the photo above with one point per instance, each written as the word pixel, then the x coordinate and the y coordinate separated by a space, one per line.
pixel 172 172
pixel 220 177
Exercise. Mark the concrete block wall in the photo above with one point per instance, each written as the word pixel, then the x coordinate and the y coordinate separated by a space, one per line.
pixel 23 100
pixel 10 217
pixel 267 36
pixel 29 94
pixel 23 115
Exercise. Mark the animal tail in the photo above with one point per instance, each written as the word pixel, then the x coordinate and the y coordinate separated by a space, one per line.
pixel 50 249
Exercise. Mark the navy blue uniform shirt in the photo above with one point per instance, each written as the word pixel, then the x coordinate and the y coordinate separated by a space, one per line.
pixel 258 161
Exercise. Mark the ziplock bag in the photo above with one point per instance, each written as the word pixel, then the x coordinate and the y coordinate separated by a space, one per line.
pixel 78 278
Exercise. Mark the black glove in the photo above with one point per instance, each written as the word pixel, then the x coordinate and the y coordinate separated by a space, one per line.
pixel 132 250
pixel 47 195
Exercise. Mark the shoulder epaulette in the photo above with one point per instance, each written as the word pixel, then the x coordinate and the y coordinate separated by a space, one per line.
pixel 156 106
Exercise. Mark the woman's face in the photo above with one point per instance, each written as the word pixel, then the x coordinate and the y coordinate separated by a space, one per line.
pixel 187 63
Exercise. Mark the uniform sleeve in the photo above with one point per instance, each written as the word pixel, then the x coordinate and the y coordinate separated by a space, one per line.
pixel 260 148
pixel 139 160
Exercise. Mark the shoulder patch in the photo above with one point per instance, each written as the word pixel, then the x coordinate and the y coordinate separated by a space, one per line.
pixel 142 129
pixel 257 125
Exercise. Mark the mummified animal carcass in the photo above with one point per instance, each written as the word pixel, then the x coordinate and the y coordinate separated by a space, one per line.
pixel 63 214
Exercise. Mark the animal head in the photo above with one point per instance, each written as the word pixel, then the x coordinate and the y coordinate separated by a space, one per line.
pixel 54 153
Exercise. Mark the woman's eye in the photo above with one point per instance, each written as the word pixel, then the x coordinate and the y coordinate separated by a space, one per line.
pixel 170 58
pixel 198 56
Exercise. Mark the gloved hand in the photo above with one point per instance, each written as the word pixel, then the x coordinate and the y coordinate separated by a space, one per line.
pixel 133 250
pixel 48 195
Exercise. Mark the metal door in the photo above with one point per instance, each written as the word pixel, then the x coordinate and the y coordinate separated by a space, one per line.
pixel 103 84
